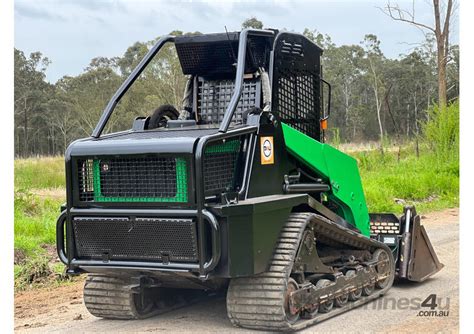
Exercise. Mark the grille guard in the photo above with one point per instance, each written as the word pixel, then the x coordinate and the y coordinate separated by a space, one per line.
pixel 66 250
pixel 206 262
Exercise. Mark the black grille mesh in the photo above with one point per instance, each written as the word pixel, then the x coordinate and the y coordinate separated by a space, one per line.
pixel 214 97
pixel 296 101
pixel 202 58
pixel 145 179
pixel 296 84
pixel 140 239
pixel 220 167
pixel 215 54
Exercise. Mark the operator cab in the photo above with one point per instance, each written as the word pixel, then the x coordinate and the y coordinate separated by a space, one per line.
pixel 210 63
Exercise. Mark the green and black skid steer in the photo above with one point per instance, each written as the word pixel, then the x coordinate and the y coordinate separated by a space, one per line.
pixel 235 189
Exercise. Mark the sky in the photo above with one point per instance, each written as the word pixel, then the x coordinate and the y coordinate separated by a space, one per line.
pixel 72 32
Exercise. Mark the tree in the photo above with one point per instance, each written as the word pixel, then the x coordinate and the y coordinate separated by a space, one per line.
pixel 342 66
pixel 375 59
pixel 369 91
pixel 132 57
pixel 441 32
pixel 31 93
pixel 322 40
pixel 452 73
pixel 252 22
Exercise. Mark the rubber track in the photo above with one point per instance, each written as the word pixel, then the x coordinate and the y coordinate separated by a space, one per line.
pixel 258 302
pixel 110 297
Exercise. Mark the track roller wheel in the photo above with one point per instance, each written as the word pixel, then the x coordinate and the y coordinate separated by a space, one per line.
pixel 368 289
pixel 342 300
pixel 327 305
pixel 311 312
pixel 383 267
pixel 354 295
pixel 110 297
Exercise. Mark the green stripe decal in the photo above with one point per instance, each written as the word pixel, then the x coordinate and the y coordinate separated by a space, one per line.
pixel 230 146
pixel 181 187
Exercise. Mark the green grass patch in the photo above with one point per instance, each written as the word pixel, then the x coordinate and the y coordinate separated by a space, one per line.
pixel 39 193
pixel 39 173
pixel 35 235
pixel 429 182
pixel 35 221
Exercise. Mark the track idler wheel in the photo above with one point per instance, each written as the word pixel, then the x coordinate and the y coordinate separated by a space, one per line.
pixel 382 267
pixel 292 315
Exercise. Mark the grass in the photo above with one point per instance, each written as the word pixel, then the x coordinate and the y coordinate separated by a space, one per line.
pixel 35 221
pixel 428 182
pixel 39 193
pixel 39 173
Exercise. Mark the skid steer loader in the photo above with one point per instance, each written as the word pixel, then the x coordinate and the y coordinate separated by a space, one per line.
pixel 236 191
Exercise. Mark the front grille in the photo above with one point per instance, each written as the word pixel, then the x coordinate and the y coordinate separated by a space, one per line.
pixel 139 239
pixel 145 179
pixel 220 167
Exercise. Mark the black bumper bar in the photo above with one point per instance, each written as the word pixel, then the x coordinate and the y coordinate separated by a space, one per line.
pixel 66 250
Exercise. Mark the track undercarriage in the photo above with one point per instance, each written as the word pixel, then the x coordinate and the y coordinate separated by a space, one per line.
pixel 352 270
pixel 318 270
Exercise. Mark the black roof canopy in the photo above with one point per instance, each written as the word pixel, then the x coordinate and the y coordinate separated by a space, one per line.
pixel 216 54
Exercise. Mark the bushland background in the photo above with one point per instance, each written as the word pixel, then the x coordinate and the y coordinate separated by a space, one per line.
pixel 392 115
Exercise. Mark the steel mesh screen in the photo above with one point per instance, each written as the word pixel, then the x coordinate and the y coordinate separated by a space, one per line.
pixel 145 179
pixel 215 54
pixel 296 101
pixel 139 239
pixel 296 83
pixel 214 97
pixel 220 166
pixel 202 58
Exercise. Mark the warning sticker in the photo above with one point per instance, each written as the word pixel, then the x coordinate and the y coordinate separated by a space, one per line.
pixel 266 150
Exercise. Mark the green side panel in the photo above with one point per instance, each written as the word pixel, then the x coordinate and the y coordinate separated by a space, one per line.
pixel 337 168
pixel 181 187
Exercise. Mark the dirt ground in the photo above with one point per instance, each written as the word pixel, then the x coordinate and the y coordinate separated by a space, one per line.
pixel 61 310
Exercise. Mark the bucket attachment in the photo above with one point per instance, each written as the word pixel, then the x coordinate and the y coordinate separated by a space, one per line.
pixel 416 258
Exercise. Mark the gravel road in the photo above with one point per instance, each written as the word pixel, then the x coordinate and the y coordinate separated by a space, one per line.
pixel 61 310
